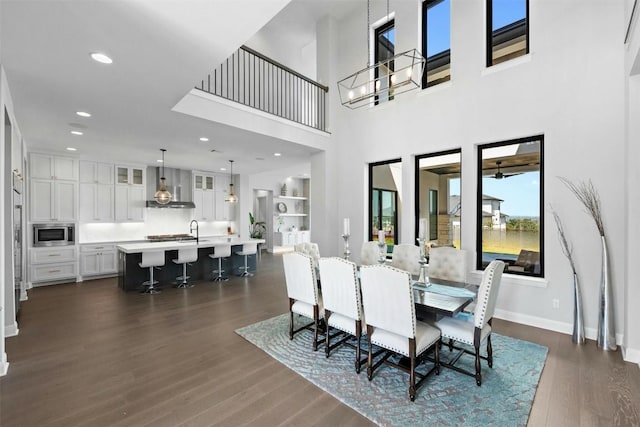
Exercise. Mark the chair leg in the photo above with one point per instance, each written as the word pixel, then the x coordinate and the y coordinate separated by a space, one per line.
pixel 412 372
pixel 450 344
pixel 370 355
pixel 358 338
pixel 478 374
pixel 326 335
pixel 220 277
pixel 436 354
pixel 290 324
pixel 489 352
pixel 315 327
pixel 151 289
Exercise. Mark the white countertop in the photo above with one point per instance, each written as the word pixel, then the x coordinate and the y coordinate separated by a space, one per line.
pixel 130 248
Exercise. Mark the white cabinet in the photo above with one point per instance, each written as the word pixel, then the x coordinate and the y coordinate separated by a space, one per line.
pixel 129 203
pixel 96 172
pixel 52 264
pixel 225 211
pixel 130 175
pixel 53 200
pixel 46 166
pixel 96 202
pixel 96 260
pixel 291 238
pixel 203 196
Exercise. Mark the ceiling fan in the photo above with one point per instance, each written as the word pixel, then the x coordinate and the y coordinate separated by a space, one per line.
pixel 500 175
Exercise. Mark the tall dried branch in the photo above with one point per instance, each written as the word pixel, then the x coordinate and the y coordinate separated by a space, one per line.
pixel 567 248
pixel 587 194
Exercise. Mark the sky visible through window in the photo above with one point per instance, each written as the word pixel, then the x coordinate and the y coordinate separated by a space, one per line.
pixel 520 193
pixel 505 12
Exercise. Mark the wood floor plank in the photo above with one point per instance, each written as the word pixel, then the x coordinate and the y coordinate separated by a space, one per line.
pixel 89 354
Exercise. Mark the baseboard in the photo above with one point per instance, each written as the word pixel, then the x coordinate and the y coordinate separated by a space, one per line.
pixel 4 365
pixel 550 325
pixel 631 355
pixel 11 330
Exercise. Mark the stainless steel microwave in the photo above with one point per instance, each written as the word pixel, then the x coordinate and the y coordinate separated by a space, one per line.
pixel 54 234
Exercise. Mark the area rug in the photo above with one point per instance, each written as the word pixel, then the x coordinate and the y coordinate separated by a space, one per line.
pixel 449 399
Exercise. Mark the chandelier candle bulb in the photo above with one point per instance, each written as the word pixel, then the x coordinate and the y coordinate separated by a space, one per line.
pixel 346 230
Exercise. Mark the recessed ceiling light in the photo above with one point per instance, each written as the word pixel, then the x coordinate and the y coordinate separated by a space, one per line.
pixel 259 158
pixel 160 161
pixel 277 154
pixel 83 114
pixel 204 139
pixel 101 57
pixel 71 149
pixel 223 169
pixel 76 132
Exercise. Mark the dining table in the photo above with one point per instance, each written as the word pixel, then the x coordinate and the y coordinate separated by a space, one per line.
pixel 439 297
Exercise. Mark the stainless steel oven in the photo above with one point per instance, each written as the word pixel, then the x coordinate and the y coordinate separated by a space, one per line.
pixel 54 234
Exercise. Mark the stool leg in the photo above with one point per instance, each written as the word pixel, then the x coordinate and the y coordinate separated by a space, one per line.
pixel 246 273
pixel 151 289
pixel 184 278
pixel 220 277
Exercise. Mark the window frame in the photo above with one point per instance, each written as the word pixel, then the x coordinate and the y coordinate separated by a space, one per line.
pixel 479 198
pixel 370 190
pixel 376 33
pixel 426 4
pixel 489 33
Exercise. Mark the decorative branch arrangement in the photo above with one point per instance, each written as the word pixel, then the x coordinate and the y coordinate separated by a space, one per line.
pixel 567 248
pixel 587 194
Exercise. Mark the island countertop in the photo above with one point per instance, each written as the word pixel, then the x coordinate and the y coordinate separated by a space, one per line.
pixel 209 242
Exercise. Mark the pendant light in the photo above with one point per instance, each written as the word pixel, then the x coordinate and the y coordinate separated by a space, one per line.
pixel 162 196
pixel 232 192
pixel 383 80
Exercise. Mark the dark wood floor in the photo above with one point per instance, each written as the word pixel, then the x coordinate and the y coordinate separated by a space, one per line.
pixel 89 354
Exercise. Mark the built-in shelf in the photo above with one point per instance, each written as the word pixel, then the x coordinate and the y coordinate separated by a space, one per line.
pixel 290 197
pixel 292 214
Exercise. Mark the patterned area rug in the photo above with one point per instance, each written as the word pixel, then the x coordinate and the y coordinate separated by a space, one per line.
pixel 450 399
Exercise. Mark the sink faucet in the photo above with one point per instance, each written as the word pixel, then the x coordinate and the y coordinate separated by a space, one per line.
pixel 197 228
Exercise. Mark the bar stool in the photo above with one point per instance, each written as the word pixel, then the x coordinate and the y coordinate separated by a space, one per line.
pixel 151 260
pixel 247 249
pixel 219 252
pixel 185 256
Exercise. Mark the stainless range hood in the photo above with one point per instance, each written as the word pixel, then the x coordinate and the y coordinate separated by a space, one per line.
pixel 178 184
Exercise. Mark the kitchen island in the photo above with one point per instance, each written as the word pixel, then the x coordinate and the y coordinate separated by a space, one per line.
pixel 131 275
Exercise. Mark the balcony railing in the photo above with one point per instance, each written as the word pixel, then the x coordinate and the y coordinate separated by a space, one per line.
pixel 252 79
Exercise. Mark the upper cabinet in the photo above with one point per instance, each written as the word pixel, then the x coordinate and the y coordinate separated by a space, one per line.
pixel 96 172
pixel 130 175
pixel 225 211
pixel 203 196
pixel 46 166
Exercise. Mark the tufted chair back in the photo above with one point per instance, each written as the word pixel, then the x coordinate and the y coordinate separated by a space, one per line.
pixel 300 277
pixel 370 253
pixel 488 293
pixel 406 257
pixel 340 287
pixel 387 298
pixel 448 263
pixel 310 249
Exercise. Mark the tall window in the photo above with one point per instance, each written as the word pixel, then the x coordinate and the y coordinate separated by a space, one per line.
pixel 385 180
pixel 510 200
pixel 385 40
pixel 436 41
pixel 507 30
pixel 438 196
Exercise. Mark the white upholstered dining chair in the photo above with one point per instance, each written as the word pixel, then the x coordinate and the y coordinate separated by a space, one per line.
pixel 302 290
pixel 475 332
pixel 370 253
pixel 449 263
pixel 406 257
pixel 387 298
pixel 342 303
pixel 310 249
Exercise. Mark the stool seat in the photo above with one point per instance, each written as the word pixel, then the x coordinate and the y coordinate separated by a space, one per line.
pixel 219 252
pixel 247 249
pixel 151 260
pixel 185 256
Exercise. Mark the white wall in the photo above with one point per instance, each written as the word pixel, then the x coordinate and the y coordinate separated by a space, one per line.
pixel 559 90
pixel 632 117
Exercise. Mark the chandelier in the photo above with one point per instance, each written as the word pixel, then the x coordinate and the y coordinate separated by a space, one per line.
pixel 232 198
pixel 383 80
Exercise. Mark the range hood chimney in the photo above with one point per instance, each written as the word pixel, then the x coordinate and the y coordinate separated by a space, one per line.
pixel 178 184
